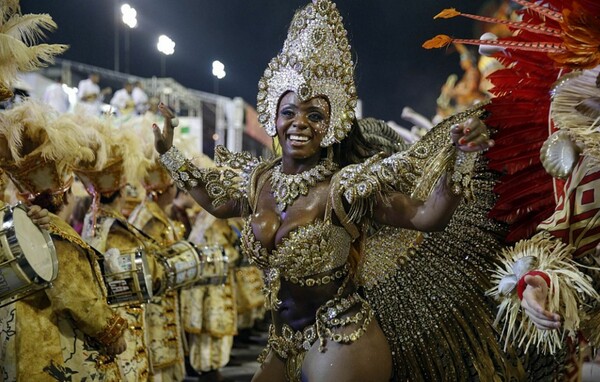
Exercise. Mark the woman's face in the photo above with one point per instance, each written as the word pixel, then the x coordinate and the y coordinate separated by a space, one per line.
pixel 301 126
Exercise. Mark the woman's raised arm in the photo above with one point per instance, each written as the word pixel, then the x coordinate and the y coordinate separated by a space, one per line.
pixel 434 213
pixel 214 189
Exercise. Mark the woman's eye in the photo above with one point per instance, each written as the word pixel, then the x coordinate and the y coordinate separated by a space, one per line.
pixel 315 117
pixel 287 113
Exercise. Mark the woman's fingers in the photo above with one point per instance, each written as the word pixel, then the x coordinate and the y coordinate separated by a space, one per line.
pixel 165 111
pixel 472 135
pixel 542 323
pixel 540 317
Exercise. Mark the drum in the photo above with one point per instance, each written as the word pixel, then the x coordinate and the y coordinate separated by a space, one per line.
pixel 183 265
pixel 216 265
pixel 28 260
pixel 127 277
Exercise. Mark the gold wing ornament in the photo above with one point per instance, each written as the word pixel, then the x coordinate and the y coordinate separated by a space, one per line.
pixel 428 290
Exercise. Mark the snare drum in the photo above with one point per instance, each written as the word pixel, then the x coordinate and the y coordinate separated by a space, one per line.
pixel 216 265
pixel 28 260
pixel 127 277
pixel 182 263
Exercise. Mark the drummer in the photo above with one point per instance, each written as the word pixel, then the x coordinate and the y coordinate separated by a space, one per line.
pixel 67 331
pixel 162 314
pixel 108 231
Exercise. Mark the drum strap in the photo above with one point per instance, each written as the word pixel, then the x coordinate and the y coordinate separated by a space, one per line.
pixel 141 235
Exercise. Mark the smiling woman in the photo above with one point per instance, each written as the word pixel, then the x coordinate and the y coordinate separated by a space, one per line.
pixel 301 126
pixel 309 211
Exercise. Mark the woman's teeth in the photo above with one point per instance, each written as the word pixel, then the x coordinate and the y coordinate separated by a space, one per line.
pixel 299 138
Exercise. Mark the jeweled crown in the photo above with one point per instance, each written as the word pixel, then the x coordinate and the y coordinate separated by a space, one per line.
pixel 315 61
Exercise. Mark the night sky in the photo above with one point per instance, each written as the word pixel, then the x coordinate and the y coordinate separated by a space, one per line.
pixel 392 71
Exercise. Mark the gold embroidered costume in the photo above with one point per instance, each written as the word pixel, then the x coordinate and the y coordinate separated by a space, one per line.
pixel 111 231
pixel 106 228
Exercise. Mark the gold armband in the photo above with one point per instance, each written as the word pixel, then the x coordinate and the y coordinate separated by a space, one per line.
pixel 221 184
pixel 112 331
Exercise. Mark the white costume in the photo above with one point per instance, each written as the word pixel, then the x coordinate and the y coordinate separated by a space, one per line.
pixel 122 101
pixel 140 99
pixel 85 90
pixel 57 98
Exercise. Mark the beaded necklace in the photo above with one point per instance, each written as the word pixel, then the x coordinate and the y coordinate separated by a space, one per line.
pixel 286 188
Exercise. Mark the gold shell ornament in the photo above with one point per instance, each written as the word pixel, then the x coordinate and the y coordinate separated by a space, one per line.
pixel 559 154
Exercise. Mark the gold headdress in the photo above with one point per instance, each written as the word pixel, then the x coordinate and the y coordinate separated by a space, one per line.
pixel 125 160
pixel 315 61
pixel 18 51
pixel 39 149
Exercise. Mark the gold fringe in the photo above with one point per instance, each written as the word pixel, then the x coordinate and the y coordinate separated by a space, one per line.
pixel 433 308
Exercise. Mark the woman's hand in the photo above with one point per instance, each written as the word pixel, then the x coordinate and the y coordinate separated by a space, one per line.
pixel 534 300
pixel 471 135
pixel 163 140
pixel 39 216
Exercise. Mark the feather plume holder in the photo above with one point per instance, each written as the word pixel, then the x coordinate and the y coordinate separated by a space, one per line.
pixel 569 288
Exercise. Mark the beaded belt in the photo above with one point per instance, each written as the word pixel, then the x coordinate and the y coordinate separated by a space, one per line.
pixel 328 320
pixel 317 281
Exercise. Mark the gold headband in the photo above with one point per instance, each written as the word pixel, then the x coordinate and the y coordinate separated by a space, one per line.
pixel 315 61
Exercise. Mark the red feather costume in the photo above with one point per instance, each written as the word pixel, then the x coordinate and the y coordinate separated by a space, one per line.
pixel 550 84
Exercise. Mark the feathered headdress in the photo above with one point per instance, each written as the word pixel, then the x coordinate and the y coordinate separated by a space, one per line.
pixel 18 48
pixel 124 162
pixel 124 158
pixel 41 148
pixel 315 61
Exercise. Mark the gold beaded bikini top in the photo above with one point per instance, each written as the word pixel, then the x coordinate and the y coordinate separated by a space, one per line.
pixel 316 247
